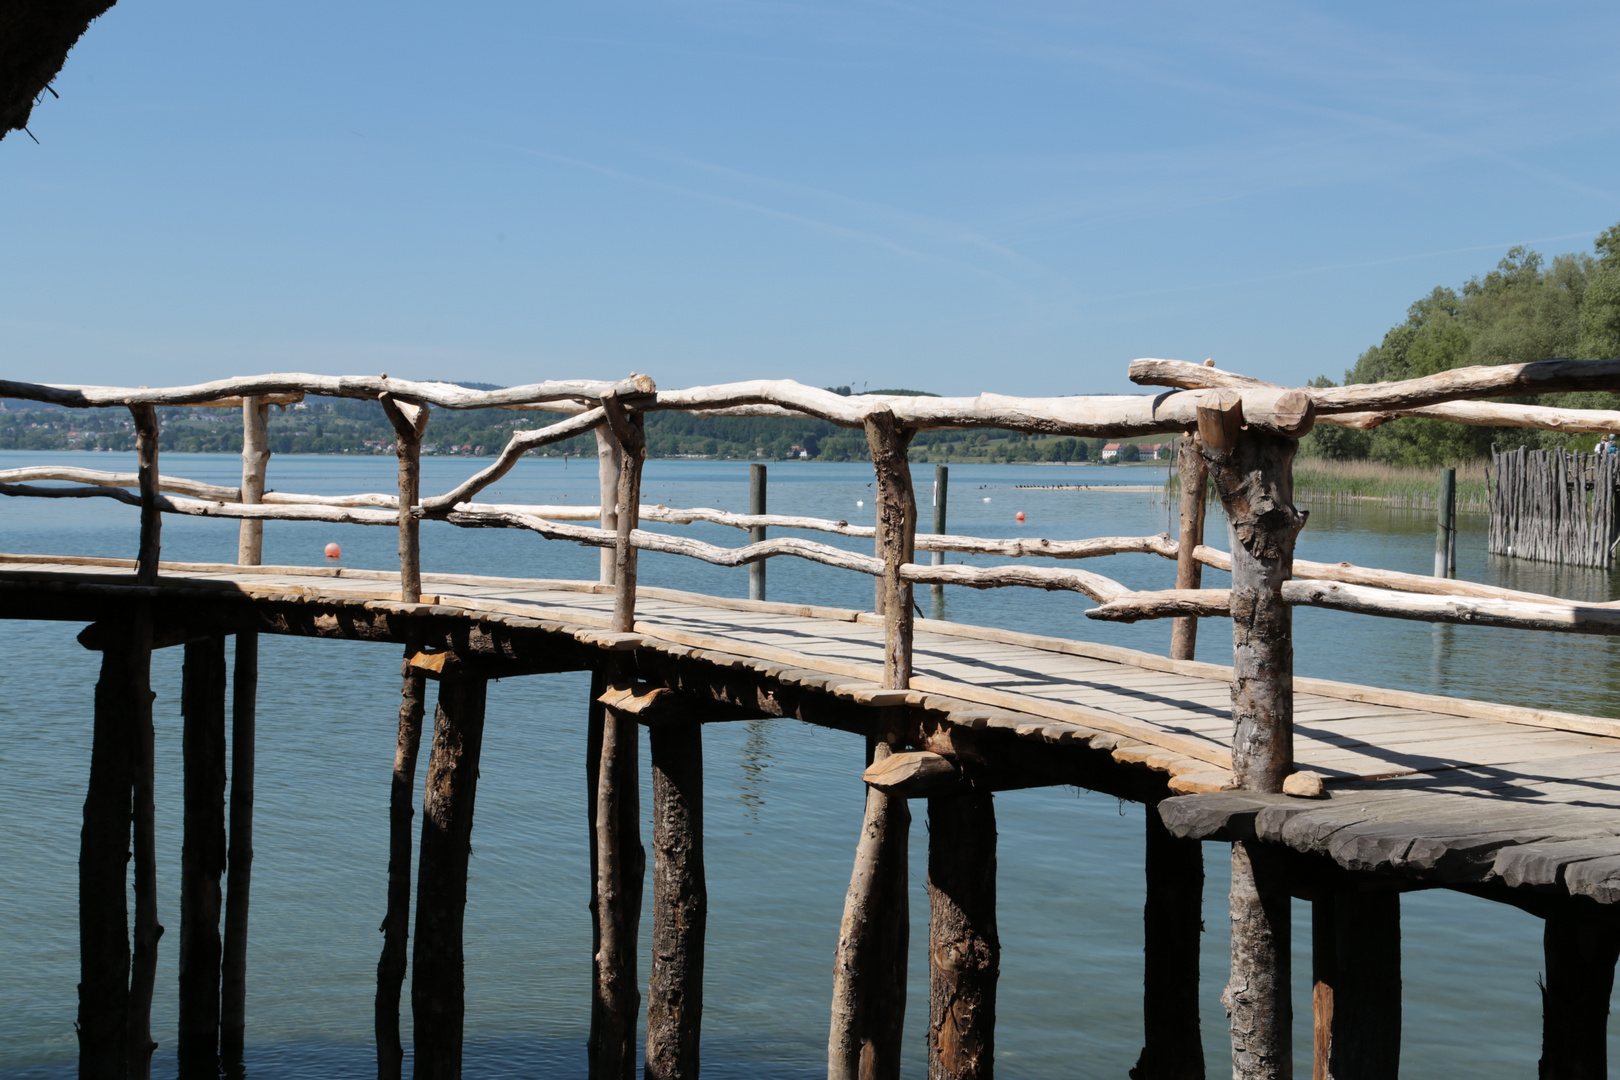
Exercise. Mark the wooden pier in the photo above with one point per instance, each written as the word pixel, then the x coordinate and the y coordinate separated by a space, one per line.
pixel 1339 795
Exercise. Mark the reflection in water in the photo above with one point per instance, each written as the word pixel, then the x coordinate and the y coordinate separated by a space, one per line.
pixel 755 759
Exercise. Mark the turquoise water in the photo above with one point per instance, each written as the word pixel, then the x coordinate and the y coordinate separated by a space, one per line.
pixel 783 799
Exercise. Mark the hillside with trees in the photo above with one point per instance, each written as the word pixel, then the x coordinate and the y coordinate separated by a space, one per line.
pixel 1526 309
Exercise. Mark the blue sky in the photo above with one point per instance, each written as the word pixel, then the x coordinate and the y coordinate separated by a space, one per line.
pixel 1018 197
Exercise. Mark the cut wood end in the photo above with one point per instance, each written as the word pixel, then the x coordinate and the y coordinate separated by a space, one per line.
pixel 431 663
pixel 1304 785
pixel 1201 783
pixel 912 772
pixel 634 700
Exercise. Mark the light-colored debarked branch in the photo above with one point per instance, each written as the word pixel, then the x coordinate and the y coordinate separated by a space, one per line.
pixel 223 391
pixel 1562 617
pixel 520 443
pixel 1367 405
pixel 98 478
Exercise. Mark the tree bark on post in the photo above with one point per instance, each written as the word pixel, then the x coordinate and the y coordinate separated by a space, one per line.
pixel 620 872
pixel 438 987
pixel 680 902
pixel 964 950
pixel 1252 472
pixel 143 959
pixel 1172 925
pixel 391 965
pixel 104 954
pixel 869 970
pixel 1193 473
pixel 244 708
pixel 1581 946
pixel 202 855
pixel 1356 985
pixel 609 463
pixel 409 421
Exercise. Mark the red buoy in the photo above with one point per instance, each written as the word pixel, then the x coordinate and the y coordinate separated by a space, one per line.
pixel 1020 515
pixel 333 551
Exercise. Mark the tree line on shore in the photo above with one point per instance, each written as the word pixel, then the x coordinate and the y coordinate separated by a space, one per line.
pixel 1526 309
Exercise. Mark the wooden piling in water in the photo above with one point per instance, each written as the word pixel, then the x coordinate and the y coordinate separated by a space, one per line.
pixel 202 855
pixel 942 487
pixel 147 930
pixel 391 966
pixel 1252 472
pixel 620 870
pixel 438 988
pixel 1581 946
pixel 964 949
pixel 1172 926
pixel 244 709
pixel 756 505
pixel 1445 542
pixel 680 902
pixel 1356 984
pixel 239 854
pixel 104 953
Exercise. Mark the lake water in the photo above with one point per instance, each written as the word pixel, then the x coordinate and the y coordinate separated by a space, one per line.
pixel 783 802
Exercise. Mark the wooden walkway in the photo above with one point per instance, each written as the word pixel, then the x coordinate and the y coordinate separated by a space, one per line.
pixel 1433 790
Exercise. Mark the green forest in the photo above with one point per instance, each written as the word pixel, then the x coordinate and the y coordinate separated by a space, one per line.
pixel 1526 309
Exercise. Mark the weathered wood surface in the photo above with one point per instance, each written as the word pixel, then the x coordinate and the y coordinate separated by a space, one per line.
pixel 964 948
pixel 1356 977
pixel 1172 925
pixel 620 865
pixel 1511 773
pixel 239 854
pixel 391 966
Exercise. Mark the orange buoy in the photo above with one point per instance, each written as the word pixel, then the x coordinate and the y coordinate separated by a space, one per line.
pixel 1020 515
pixel 333 551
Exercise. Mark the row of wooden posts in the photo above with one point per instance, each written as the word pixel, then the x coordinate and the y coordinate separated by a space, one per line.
pixel 1251 472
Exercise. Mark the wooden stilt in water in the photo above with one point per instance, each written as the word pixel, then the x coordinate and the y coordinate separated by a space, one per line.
pixel 1172 924
pixel 239 856
pixel 1252 471
pixel 143 958
pixel 680 902
pixel 1581 946
pixel 620 872
pixel 1356 991
pixel 869 970
pixel 202 856
pixel 104 954
pixel 438 990
pixel 244 707
pixel 964 950
pixel 396 923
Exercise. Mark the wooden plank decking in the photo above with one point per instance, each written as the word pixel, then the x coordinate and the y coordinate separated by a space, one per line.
pixel 1436 790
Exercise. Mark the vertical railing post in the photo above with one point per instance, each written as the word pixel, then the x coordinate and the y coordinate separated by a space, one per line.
pixel 756 506
pixel 409 420
pixel 1252 471
pixel 869 970
pixel 942 486
pixel 1193 473
pixel 244 707
pixel 146 453
pixel 1445 540
pixel 609 463
pixel 628 427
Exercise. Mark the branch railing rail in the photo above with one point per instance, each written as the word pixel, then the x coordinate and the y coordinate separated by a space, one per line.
pixel 1268 407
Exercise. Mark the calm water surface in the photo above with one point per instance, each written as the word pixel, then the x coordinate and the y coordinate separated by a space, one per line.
pixel 783 800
